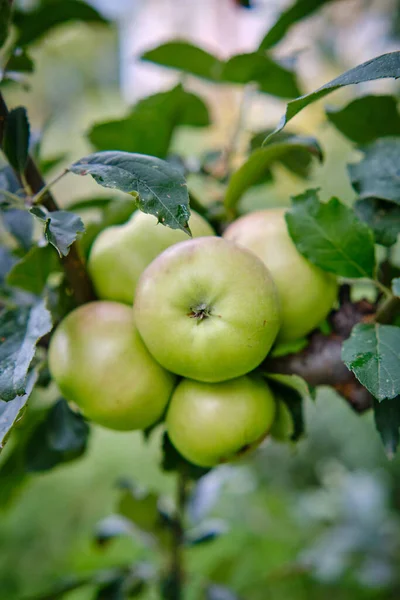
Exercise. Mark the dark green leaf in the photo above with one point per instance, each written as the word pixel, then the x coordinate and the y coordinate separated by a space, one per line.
pixel 16 138
pixel 61 437
pixel 67 430
pixel 293 399
pixel 331 236
pixel 32 271
pixel 187 58
pixel 162 190
pixel 396 286
pixel 173 461
pixel 5 20
pixel 34 24
pixel 260 162
pixel 377 174
pixel 297 11
pixel 11 412
pixel 61 227
pixel 372 352
pixel 382 217
pixel 385 66
pixel 20 330
pixel 112 591
pixel 271 77
pixel 366 119
pixel 295 382
pixel 20 224
pixel 298 161
pixel 20 61
pixel 387 422
pixel 149 127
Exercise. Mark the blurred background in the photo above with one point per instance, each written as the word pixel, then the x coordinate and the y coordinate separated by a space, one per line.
pixel 317 521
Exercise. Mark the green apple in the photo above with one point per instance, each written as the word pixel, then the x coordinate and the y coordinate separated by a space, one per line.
pixel 99 361
pixel 211 423
pixel 207 309
pixel 121 253
pixel 306 292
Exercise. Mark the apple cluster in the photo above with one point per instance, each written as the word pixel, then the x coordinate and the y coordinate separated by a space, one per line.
pixel 206 312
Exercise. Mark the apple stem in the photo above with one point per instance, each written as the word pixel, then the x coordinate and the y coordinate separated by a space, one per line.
pixel 176 578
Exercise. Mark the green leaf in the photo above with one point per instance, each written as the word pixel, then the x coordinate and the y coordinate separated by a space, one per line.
pixel 381 67
pixel 61 227
pixel 32 271
pixel 377 174
pixel 372 352
pixel 149 127
pixel 285 391
pixel 257 67
pixel 271 77
pixel 295 382
pixel 187 58
pixel 382 217
pixel 20 61
pixel 366 119
pixel 260 162
pixel 387 422
pixel 16 138
pixel 34 24
pixel 298 160
pixel 12 411
pixel 20 330
pixel 396 286
pixel 5 20
pixel 162 190
pixel 297 11
pixel 20 224
pixel 61 437
pixel 331 236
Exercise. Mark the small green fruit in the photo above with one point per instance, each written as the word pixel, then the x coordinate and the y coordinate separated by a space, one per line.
pixel 121 253
pixel 212 423
pixel 99 361
pixel 207 309
pixel 306 292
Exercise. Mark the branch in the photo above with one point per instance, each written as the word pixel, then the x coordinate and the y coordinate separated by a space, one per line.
pixel 320 363
pixel 178 539
pixel 73 265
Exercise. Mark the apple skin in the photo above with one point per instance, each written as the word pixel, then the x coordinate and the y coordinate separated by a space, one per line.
pixel 121 253
pixel 211 423
pixel 99 361
pixel 306 292
pixel 207 309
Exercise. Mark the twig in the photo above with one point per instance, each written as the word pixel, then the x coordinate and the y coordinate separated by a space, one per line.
pixel 320 363
pixel 176 575
pixel 73 265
